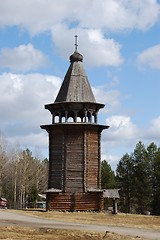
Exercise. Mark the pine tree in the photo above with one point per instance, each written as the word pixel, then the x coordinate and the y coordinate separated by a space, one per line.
pixel 107 176
pixel 154 156
pixel 107 180
pixel 124 178
pixel 141 177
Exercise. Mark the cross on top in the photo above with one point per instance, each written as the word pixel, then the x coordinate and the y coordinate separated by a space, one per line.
pixel 76 42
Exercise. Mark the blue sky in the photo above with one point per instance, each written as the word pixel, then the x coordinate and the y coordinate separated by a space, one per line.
pixel 120 43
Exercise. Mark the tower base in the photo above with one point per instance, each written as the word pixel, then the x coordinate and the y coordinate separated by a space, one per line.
pixel 88 201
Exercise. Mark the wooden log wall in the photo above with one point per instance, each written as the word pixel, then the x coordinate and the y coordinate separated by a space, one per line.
pixel 93 158
pixel 56 155
pixel 74 158
pixel 90 201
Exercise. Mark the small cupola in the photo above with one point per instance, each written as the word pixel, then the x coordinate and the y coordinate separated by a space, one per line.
pixel 76 57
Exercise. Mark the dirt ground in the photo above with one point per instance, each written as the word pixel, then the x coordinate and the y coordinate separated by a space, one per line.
pixel 9 233
pixel 36 233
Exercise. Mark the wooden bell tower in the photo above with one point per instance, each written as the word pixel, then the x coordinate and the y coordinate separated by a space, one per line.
pixel 74 182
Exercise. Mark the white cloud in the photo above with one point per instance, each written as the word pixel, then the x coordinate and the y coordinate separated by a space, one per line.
pixel 119 15
pixel 22 58
pixel 153 132
pixel 38 16
pixel 111 98
pixel 97 50
pixel 123 135
pixel 22 99
pixel 150 57
pixel 103 52
pixel 120 138
pixel 121 129
pixel 111 159
pixel 31 140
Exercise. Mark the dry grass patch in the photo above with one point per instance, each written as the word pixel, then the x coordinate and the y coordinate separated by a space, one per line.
pixel 26 233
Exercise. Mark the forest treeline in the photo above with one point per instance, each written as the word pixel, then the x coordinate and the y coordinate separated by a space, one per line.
pixel 137 176
pixel 22 176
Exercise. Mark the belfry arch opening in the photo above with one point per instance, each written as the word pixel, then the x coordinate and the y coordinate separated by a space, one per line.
pixel 84 116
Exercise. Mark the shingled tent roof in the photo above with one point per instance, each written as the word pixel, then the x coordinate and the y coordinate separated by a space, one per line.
pixel 75 87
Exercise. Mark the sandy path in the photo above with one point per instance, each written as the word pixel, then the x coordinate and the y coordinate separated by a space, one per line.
pixel 8 218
